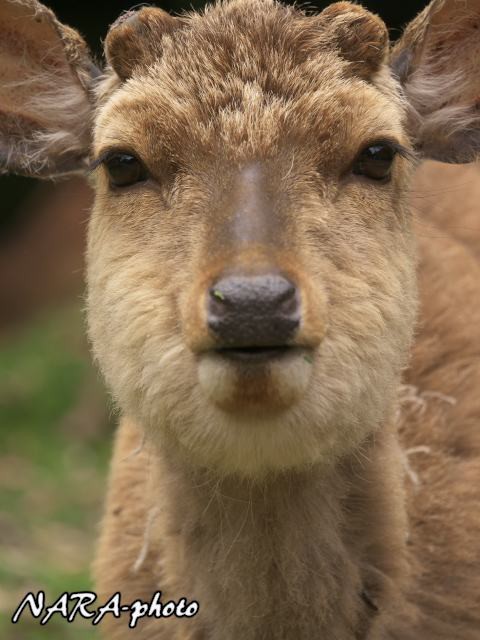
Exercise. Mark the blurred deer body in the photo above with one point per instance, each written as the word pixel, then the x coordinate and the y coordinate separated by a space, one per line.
pixel 252 276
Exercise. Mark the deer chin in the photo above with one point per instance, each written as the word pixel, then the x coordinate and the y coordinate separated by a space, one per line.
pixel 255 380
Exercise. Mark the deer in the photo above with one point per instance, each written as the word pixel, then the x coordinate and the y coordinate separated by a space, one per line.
pixel 291 345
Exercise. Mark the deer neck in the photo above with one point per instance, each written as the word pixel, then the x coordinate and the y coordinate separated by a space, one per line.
pixel 306 554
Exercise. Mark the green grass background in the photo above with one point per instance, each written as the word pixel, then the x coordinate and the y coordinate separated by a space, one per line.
pixel 55 439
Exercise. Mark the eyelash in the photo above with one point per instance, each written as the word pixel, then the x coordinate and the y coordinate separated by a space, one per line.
pixel 128 171
pixel 368 162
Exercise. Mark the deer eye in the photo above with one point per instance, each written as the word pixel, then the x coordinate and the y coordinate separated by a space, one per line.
pixel 124 169
pixel 375 161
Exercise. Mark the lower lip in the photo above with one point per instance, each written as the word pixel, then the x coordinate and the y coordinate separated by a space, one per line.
pixel 256 356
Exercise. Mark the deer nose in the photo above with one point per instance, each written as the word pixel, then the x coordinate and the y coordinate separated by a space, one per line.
pixel 253 310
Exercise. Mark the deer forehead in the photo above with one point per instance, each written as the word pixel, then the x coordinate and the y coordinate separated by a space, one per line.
pixel 249 32
pixel 199 117
pixel 247 74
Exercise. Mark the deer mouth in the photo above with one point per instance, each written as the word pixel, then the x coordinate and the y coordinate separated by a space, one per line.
pixel 257 354
pixel 262 355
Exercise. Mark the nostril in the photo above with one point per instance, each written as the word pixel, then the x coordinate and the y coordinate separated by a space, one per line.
pixel 285 295
pixel 218 296
pixel 218 303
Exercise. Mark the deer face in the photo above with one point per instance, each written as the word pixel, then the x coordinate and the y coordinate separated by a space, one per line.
pixel 250 263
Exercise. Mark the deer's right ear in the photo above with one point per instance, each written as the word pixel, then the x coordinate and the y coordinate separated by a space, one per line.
pixel 45 93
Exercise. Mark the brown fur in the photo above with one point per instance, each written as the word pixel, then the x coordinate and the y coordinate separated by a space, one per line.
pixel 320 496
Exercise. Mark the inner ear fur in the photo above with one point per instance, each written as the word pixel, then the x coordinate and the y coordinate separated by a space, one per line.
pixel 361 37
pixel 437 60
pixel 135 39
pixel 45 100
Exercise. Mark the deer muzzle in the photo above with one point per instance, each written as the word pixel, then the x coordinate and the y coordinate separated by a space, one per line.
pixel 253 316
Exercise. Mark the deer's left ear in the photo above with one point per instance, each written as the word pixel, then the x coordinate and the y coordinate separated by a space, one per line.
pixel 438 63
pixel 45 92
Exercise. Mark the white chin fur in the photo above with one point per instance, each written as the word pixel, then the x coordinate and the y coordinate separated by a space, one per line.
pixel 238 387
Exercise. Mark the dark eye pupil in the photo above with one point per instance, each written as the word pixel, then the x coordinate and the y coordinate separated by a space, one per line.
pixel 124 170
pixel 375 162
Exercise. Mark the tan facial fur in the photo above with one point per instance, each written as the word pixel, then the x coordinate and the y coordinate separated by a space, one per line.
pixel 157 247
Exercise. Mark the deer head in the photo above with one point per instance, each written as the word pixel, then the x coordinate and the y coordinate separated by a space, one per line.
pixel 251 267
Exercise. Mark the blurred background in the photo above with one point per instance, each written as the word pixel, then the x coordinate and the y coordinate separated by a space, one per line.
pixel 55 422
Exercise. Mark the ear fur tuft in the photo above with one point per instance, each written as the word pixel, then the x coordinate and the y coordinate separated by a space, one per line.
pixel 437 60
pixel 45 101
